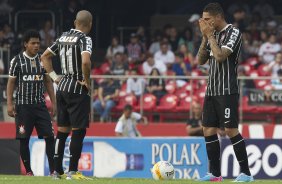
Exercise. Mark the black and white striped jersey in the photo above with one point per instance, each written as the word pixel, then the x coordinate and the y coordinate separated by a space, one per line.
pixel 223 76
pixel 69 46
pixel 30 74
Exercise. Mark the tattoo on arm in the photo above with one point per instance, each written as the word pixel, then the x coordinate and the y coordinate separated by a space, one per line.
pixel 203 53
pixel 220 54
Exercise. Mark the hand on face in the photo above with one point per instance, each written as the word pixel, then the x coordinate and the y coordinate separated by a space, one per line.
pixel 207 28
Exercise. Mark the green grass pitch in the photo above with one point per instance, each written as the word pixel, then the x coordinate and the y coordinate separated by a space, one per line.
pixel 10 179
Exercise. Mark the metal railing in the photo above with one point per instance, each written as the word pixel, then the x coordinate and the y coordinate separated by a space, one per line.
pixel 191 79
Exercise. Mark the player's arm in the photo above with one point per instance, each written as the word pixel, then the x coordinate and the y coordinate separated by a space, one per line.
pixel 220 54
pixel 86 51
pixel 50 90
pixel 46 59
pixel 10 90
pixel 86 68
pixel 13 73
pixel 119 134
pixel 192 131
pixel 203 54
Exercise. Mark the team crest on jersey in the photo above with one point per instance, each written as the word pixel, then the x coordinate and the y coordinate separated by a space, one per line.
pixel 33 63
pixel 21 129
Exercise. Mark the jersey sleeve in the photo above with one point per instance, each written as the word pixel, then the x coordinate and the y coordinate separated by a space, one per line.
pixel 136 115
pixel 54 48
pixel 118 128
pixel 86 45
pixel 232 39
pixel 14 68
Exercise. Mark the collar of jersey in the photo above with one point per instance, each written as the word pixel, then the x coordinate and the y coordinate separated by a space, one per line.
pixel 25 54
pixel 78 31
pixel 225 28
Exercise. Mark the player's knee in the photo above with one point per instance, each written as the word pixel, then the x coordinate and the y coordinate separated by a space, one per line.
pixel 64 129
pixel 208 131
pixel 231 132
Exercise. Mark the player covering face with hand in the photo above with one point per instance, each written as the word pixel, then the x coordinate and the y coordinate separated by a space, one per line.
pixel 221 45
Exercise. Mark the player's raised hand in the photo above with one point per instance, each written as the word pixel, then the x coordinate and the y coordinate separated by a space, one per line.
pixel 206 28
pixel 11 111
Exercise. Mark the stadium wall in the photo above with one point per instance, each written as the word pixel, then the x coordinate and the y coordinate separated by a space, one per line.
pixel 256 131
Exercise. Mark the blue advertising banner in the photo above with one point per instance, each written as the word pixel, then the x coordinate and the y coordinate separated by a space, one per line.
pixel 130 157
pixel 265 158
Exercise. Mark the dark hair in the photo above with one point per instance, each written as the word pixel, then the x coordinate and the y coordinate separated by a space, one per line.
pixel 149 55
pixel 155 69
pixel 214 9
pixel 30 34
pixel 118 53
pixel 279 72
pixel 179 54
pixel 127 107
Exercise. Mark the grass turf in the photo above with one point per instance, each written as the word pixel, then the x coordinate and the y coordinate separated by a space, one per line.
pixel 11 179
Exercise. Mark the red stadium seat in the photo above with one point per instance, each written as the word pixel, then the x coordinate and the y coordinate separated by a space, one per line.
pixel 252 61
pixel 105 67
pixel 181 92
pixel 128 99
pixel 149 102
pixel 260 84
pixel 96 71
pixel 167 105
pixel 184 105
pixel 122 91
pixel 263 70
pixel 170 87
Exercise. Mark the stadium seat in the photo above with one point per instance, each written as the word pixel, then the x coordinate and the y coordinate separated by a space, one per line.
pixel 140 70
pixel 184 105
pixel 181 92
pixel 252 61
pixel 149 102
pixel 262 70
pixel 105 67
pixel 167 105
pixel 122 91
pixel 128 99
pixel 260 84
pixel 170 87
pixel 96 71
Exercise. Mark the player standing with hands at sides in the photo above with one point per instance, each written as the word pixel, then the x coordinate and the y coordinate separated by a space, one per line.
pixel 27 73
pixel 73 95
pixel 221 45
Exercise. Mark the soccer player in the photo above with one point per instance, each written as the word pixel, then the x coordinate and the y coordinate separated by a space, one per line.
pixel 221 45
pixel 73 94
pixel 28 75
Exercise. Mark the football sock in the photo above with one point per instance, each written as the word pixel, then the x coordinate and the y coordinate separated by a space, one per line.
pixel 213 151
pixel 76 148
pixel 50 152
pixel 241 153
pixel 25 154
pixel 59 151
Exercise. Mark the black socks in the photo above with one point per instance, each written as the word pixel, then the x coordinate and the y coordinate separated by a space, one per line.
pixel 241 153
pixel 59 151
pixel 76 148
pixel 50 152
pixel 213 151
pixel 25 154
